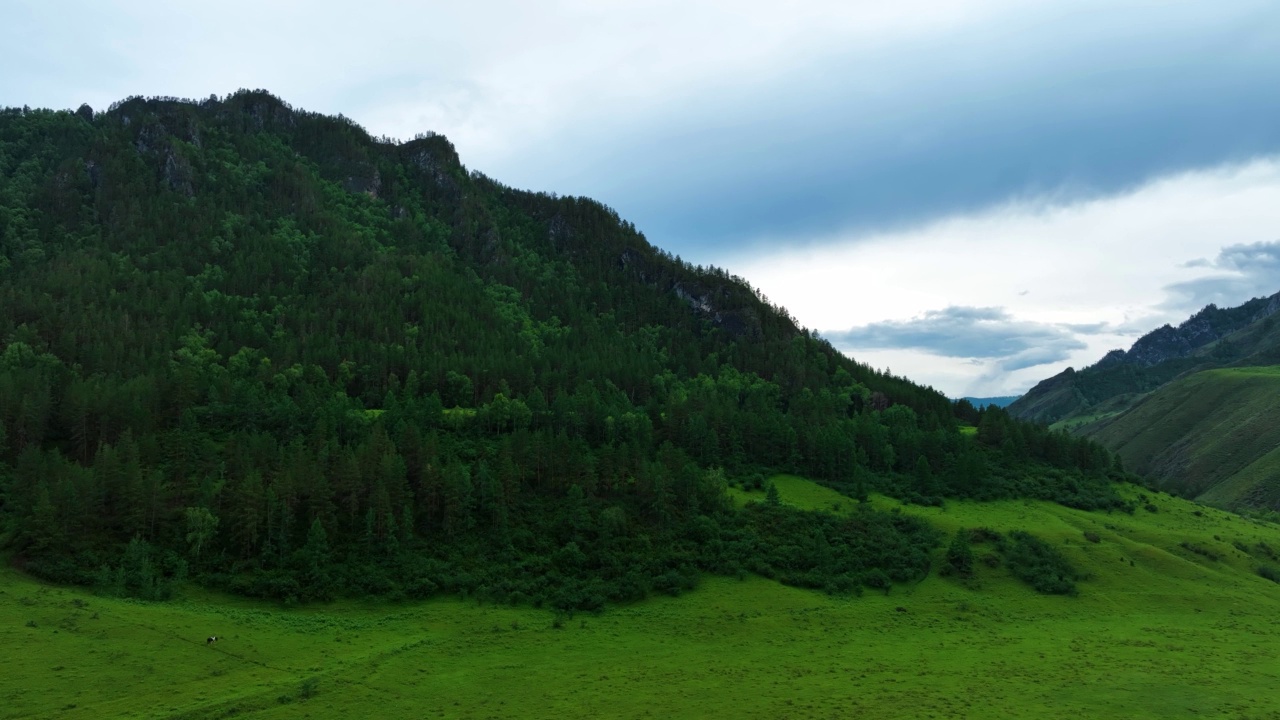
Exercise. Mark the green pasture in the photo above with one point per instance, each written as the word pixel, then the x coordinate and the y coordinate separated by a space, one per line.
pixel 1210 435
pixel 1172 622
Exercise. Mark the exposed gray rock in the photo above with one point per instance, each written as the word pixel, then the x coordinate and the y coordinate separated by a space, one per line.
pixel 559 231
pixel 370 184
pixel 1207 326
pixel 94 171
pixel 177 173
pixel 697 301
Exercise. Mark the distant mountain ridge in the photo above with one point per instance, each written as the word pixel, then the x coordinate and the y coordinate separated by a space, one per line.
pixel 999 401
pixel 1195 408
pixel 1213 337
pixel 1209 325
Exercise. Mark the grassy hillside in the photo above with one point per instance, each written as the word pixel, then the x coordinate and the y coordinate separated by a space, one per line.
pixel 1243 336
pixel 1174 622
pixel 1214 435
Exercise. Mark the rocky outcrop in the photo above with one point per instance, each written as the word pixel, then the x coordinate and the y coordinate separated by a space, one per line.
pixel 1205 327
pixel 368 182
pixel 1213 337
pixel 177 173
pixel 94 172
pixel 156 141
pixel 435 158
pixel 258 111
pixel 696 300
pixel 739 322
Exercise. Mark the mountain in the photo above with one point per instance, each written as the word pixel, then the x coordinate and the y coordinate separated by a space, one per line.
pixel 1001 401
pixel 1191 407
pixel 1214 337
pixel 256 347
pixel 1213 436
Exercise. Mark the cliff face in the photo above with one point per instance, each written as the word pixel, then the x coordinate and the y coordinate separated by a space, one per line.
pixel 1207 326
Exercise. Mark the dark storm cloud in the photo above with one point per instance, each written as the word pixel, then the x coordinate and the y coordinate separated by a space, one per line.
pixel 1057 104
pixel 966 332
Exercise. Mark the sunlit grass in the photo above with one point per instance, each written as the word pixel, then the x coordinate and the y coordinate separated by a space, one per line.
pixel 1157 631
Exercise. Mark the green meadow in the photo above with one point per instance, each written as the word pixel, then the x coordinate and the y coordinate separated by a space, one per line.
pixel 1172 621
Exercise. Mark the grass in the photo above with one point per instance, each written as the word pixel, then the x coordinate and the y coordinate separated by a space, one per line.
pixel 1078 421
pixel 1157 631
pixel 1212 435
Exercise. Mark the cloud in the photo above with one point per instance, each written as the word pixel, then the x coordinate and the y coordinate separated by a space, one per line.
pixel 986 333
pixel 1090 328
pixel 1047 102
pixel 714 124
pixel 1099 269
pixel 1240 272
pixel 863 162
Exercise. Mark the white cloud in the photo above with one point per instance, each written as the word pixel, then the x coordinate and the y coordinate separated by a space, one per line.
pixel 1242 271
pixel 1124 261
pixel 967 332
pixel 696 118
pixel 492 75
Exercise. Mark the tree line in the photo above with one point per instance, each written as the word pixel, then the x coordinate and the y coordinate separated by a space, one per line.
pixel 253 346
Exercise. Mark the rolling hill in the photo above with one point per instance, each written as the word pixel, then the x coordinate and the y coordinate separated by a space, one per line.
pixel 1213 435
pixel 406 438
pixel 253 346
pixel 1174 621
pixel 1191 407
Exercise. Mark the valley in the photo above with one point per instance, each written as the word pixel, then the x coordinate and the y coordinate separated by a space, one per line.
pixel 407 440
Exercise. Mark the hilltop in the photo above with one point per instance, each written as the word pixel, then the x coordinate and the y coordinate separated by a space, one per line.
pixel 256 347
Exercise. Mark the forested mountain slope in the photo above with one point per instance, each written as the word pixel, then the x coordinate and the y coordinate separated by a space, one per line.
pixel 1214 337
pixel 256 346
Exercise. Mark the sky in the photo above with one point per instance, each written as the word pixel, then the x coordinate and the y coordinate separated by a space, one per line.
pixel 975 194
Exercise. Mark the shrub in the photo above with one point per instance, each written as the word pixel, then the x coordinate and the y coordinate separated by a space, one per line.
pixel 1269 573
pixel 1038 564
pixel 1200 550
pixel 876 578
pixel 960 556
pixel 981 535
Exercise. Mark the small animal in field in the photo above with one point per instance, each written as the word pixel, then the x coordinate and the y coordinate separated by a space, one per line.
pixel 212 639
